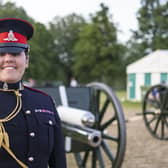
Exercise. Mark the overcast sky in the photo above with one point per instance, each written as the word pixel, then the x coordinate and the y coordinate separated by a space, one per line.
pixel 123 11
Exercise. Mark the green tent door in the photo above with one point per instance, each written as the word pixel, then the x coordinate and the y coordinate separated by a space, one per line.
pixel 131 85
pixel 147 81
pixel 163 78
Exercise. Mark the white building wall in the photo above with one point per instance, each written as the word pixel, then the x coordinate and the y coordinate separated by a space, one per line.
pixel 154 63
pixel 128 93
pixel 155 78
pixel 139 83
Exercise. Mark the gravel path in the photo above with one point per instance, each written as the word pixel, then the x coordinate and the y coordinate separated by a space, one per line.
pixel 143 150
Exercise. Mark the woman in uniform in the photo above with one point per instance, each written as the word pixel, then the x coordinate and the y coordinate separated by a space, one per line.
pixel 30 128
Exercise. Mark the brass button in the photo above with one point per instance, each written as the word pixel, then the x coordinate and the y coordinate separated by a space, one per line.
pixel 32 134
pixel 28 112
pixel 50 122
pixel 31 159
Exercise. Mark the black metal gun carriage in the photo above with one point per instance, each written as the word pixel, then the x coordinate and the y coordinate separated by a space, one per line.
pixel 96 139
pixel 155 111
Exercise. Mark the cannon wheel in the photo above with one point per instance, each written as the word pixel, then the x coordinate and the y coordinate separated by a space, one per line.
pixel 110 121
pixel 155 111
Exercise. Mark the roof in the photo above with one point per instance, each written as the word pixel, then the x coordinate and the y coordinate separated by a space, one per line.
pixel 156 61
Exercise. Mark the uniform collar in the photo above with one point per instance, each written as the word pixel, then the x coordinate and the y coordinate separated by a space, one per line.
pixel 14 86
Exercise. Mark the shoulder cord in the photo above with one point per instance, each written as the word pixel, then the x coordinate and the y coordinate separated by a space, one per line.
pixel 4 138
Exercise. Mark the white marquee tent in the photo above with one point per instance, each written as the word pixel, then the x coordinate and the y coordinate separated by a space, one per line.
pixel 150 70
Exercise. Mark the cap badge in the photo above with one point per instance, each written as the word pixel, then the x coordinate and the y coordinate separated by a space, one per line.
pixel 11 37
pixel 5 86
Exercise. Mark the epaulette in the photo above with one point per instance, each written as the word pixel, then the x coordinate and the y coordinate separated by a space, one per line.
pixel 37 90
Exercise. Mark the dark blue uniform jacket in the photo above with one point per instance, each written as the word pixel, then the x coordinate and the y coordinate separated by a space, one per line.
pixel 35 133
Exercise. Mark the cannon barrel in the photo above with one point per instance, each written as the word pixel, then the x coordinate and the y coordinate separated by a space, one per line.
pixel 86 135
pixel 76 116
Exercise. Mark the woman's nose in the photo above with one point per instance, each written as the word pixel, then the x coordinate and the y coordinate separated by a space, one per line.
pixel 8 57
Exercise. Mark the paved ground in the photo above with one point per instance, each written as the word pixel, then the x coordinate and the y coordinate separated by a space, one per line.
pixel 143 150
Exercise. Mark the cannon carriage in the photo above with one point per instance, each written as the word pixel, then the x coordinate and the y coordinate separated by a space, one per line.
pixel 93 124
pixel 155 111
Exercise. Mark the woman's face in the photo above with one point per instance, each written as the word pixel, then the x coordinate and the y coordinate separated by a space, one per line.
pixel 12 66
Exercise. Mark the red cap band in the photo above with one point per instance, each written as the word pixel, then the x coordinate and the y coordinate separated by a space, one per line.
pixel 12 37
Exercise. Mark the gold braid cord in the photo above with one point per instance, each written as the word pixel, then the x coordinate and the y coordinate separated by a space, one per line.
pixel 4 138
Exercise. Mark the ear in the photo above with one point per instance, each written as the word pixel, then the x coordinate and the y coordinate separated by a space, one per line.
pixel 27 61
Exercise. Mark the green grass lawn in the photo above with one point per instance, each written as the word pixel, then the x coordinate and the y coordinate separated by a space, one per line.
pixel 126 103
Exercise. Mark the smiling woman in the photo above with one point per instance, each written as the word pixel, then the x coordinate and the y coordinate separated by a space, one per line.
pixel 12 66
pixel 14 59
pixel 27 138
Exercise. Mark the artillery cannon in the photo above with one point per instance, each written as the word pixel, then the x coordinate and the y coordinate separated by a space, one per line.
pixel 155 111
pixel 93 124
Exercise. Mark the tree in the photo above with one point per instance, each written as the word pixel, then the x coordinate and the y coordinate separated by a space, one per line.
pixel 42 54
pixel 98 55
pixel 9 9
pixel 152 31
pixel 65 32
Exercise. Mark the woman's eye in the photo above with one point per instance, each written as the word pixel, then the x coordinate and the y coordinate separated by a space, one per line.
pixel 2 54
pixel 15 54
